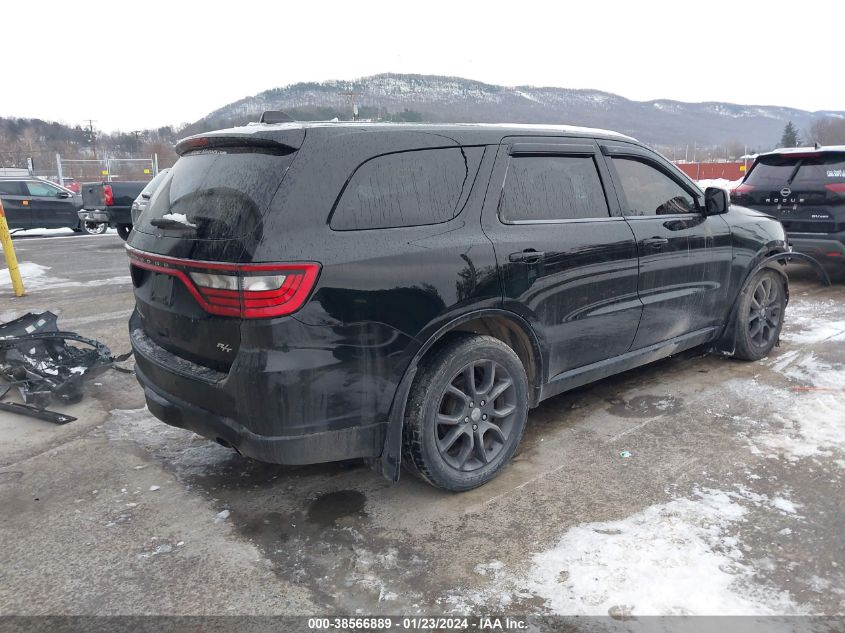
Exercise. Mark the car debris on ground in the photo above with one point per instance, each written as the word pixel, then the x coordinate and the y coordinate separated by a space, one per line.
pixel 40 361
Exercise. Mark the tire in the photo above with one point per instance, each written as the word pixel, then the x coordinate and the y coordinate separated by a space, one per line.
pixel 759 318
pixel 123 231
pixel 445 417
pixel 93 228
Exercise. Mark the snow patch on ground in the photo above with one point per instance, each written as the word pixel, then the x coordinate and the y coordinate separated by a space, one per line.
pixel 806 368
pixel 807 421
pixel 815 426
pixel 809 322
pixel 677 557
pixel 36 277
pixel 51 232
pixel 672 558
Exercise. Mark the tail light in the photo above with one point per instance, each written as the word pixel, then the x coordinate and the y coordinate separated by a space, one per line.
pixel 249 291
pixel 837 187
pixel 108 195
pixel 741 190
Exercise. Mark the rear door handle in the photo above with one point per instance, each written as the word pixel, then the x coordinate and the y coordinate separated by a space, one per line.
pixel 527 256
pixel 655 242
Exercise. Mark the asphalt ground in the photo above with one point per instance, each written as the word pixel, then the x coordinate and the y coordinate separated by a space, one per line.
pixel 695 485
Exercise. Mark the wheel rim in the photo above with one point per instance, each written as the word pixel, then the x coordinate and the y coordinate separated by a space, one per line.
pixel 765 312
pixel 475 416
pixel 94 228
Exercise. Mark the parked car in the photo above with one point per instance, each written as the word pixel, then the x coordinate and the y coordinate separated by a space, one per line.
pixel 140 203
pixel 405 293
pixel 33 203
pixel 110 204
pixel 804 187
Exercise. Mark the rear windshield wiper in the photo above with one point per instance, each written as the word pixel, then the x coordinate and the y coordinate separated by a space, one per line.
pixel 164 223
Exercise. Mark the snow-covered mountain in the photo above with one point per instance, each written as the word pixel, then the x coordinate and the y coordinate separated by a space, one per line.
pixel 453 99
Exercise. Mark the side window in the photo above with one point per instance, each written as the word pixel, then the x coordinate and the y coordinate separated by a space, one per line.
pixel 11 188
pixel 407 189
pixel 41 189
pixel 651 192
pixel 552 188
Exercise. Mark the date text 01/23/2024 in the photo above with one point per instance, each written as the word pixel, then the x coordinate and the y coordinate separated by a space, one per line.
pixel 484 623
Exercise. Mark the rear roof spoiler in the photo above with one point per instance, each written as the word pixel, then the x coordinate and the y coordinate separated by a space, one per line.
pixel 281 139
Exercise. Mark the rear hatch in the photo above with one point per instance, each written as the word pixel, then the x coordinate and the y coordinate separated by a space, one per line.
pixel 190 254
pixel 804 190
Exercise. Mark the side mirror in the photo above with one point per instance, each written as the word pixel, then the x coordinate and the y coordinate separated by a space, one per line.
pixel 715 201
pixel 63 194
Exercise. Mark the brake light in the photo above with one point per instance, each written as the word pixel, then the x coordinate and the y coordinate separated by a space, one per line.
pixel 741 190
pixel 836 187
pixel 195 143
pixel 108 195
pixel 249 291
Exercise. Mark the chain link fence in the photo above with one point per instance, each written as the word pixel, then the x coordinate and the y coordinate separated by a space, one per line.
pixel 107 169
pixel 52 166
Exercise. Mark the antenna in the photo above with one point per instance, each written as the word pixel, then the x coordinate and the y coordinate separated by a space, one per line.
pixel 92 136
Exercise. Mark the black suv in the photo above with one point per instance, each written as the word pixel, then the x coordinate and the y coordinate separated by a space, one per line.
pixel 32 203
pixel 805 189
pixel 317 292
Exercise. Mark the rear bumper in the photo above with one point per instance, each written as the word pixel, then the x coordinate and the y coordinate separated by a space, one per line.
pixel 112 216
pixel 216 405
pixel 829 247
pixel 312 448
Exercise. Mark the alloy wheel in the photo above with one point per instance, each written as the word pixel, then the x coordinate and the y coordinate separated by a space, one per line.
pixel 476 415
pixel 94 228
pixel 765 312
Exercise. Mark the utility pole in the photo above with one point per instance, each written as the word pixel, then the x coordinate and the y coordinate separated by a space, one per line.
pixel 350 95
pixel 137 135
pixel 91 136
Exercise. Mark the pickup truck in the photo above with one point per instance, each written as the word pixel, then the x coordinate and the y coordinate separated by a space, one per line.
pixel 110 203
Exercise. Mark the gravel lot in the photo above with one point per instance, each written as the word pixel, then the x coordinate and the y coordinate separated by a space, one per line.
pixel 698 484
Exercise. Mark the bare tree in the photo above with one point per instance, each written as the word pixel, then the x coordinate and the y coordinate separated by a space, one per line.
pixel 828 131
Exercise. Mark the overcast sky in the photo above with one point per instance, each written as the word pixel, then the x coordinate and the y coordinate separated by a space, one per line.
pixel 132 65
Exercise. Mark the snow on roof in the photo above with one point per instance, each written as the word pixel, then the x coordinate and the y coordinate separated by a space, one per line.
pixel 804 150
pixel 252 128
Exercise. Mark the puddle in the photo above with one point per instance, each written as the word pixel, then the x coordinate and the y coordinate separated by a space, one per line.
pixel 646 406
pixel 329 507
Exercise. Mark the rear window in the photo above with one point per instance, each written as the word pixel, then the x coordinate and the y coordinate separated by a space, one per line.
pixel 796 171
pixel 154 183
pixel 407 189
pixel 219 193
pixel 772 171
pixel 820 171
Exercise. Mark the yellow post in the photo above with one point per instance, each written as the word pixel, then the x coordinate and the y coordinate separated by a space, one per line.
pixel 9 252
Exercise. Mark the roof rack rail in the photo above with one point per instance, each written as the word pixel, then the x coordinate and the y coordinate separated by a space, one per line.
pixel 275 116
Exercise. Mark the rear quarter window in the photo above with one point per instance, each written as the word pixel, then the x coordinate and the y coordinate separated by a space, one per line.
pixel 411 188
